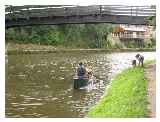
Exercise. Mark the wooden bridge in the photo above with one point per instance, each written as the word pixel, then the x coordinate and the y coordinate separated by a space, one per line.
pixel 69 14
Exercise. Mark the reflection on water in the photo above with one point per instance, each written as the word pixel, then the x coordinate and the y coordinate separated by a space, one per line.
pixel 41 85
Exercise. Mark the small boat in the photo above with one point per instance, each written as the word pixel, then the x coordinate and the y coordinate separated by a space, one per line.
pixel 80 81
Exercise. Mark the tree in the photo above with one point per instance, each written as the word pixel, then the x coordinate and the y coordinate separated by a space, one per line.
pixel 151 20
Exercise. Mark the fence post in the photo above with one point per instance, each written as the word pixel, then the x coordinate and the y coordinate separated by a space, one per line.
pixel 100 6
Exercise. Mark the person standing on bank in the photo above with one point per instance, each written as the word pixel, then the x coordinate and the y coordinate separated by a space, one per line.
pixel 140 59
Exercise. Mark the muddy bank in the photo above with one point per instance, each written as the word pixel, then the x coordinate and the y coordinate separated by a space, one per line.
pixel 13 48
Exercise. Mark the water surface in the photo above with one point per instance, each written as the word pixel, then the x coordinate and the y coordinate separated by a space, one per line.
pixel 41 85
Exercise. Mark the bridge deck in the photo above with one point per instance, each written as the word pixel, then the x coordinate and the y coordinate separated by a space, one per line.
pixel 58 14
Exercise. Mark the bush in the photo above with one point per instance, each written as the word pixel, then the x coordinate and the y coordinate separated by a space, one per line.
pixel 88 35
pixel 109 44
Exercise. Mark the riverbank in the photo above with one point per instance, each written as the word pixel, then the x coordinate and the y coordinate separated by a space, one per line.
pixel 130 95
pixel 126 97
pixel 15 48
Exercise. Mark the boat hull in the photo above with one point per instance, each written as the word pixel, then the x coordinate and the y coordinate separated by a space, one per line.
pixel 78 83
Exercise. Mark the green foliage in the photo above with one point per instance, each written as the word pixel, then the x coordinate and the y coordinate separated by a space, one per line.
pixel 109 44
pixel 132 44
pixel 71 36
pixel 126 96
pixel 117 46
pixel 151 20
pixel 149 62
pixel 153 41
pixel 74 35
pixel 150 43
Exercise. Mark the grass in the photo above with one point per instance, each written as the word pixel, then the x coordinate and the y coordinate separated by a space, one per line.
pixel 149 62
pixel 126 97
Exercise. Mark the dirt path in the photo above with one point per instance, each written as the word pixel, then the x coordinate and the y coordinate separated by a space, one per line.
pixel 150 74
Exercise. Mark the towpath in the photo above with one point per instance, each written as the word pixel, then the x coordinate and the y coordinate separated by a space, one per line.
pixel 150 75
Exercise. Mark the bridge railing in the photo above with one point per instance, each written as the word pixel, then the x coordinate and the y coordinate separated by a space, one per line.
pixel 31 11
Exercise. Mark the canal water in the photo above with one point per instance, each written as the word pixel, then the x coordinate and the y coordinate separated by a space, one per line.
pixel 41 85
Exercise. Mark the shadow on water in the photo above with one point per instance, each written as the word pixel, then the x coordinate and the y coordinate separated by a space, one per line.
pixel 41 85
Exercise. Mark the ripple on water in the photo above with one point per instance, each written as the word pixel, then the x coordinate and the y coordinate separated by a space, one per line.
pixel 16 116
pixel 61 78
pixel 30 66
pixel 15 104
pixel 64 70
pixel 62 67
pixel 25 96
pixel 42 64
pixel 31 104
pixel 52 77
pixel 39 71
pixel 54 98
pixel 52 71
pixel 46 86
pixel 21 75
pixel 52 63
pixel 21 109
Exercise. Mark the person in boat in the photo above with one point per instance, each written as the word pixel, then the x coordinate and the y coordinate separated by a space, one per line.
pixel 81 70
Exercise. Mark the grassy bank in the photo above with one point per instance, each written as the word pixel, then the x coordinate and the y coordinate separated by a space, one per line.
pixel 149 62
pixel 126 96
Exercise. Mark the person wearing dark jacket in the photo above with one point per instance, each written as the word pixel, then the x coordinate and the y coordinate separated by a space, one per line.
pixel 140 59
pixel 81 70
